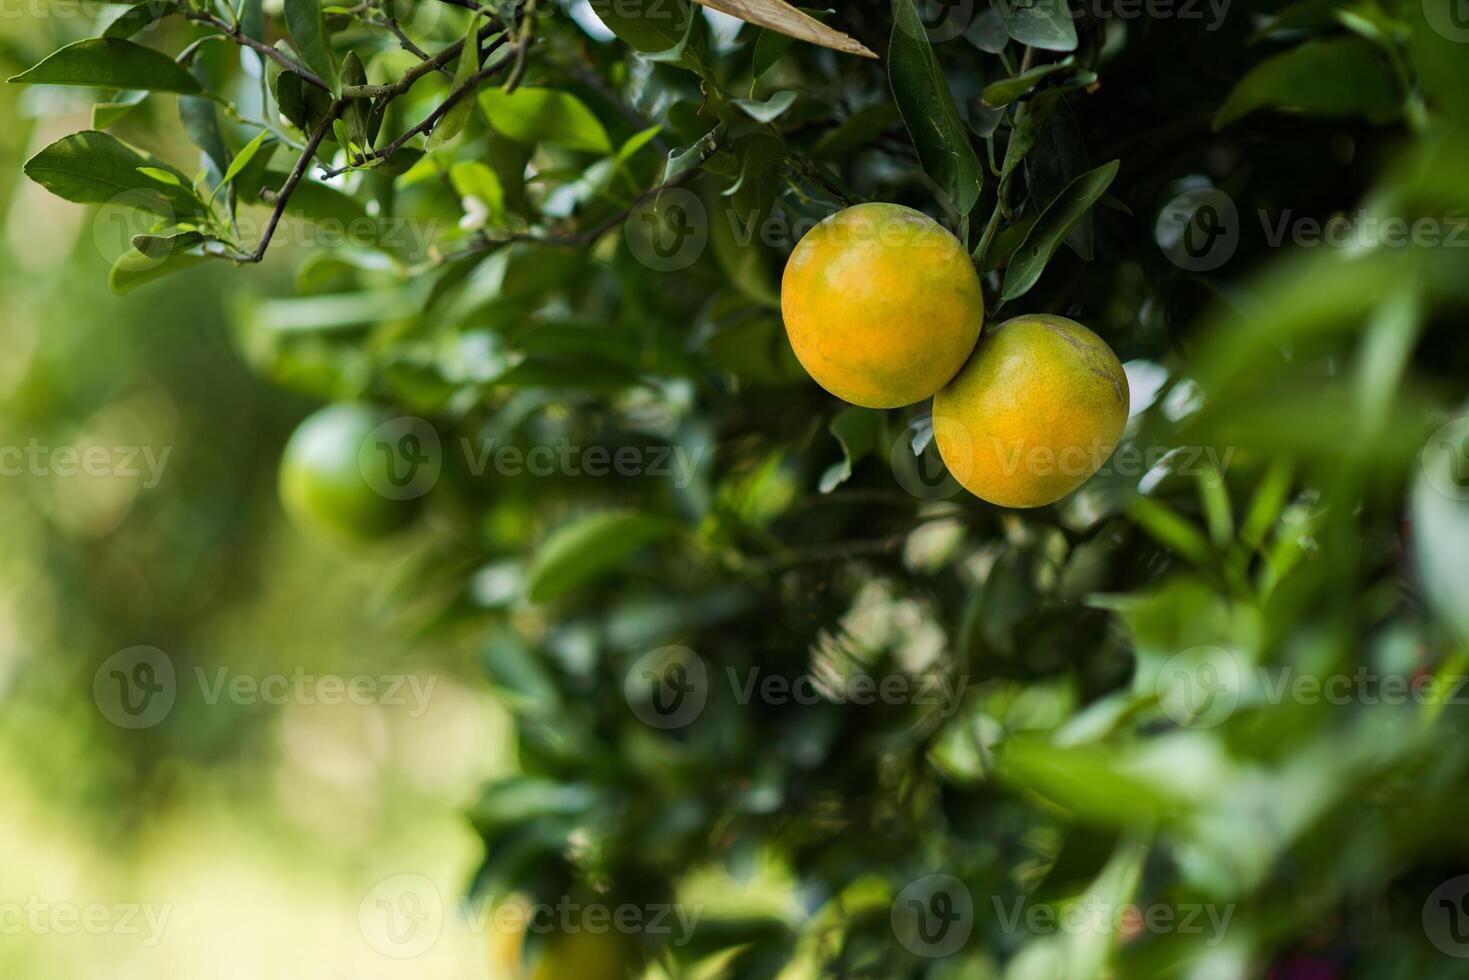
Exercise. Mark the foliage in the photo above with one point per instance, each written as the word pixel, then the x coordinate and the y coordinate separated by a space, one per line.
pixel 1267 530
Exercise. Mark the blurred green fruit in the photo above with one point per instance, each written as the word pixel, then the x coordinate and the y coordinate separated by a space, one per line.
pixel 324 478
pixel 586 955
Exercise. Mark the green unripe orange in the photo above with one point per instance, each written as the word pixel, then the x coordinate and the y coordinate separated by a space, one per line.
pixel 882 305
pixel 1034 414
pixel 324 485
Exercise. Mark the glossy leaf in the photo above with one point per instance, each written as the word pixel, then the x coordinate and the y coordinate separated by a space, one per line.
pixel 308 30
pixel 1045 24
pixel 1054 224
pixel 588 547
pixel 110 62
pixel 1331 78
pixel 94 168
pixel 927 107
pixel 541 115
pixel 453 122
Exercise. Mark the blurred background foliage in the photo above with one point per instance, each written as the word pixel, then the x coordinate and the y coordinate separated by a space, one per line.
pixel 1298 527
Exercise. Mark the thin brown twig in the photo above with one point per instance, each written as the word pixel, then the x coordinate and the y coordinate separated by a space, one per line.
pixel 283 196
pixel 428 122
pixel 238 36
pixel 587 236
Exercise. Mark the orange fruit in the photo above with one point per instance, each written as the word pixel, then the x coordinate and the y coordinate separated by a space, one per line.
pixel 1036 411
pixel 882 305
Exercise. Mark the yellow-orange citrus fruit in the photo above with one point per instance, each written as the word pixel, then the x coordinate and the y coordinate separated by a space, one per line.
pixel 1036 411
pixel 882 305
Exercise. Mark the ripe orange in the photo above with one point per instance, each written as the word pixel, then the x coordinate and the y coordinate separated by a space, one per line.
pixel 1036 411
pixel 882 305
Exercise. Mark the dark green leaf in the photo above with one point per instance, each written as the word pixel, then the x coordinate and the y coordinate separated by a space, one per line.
pixel 588 547
pixel 201 122
pixel 1052 226
pixel 653 27
pixel 133 19
pixel 308 30
pixel 928 111
pixel 105 114
pixel 453 122
pixel 1045 24
pixel 855 429
pixel 110 62
pixel 162 246
pixel 356 114
pixel 1007 90
pixel 95 168
pixel 542 115
pixel 134 269
pixel 1332 78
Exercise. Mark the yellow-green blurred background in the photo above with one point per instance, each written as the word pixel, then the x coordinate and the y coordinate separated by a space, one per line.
pixel 253 834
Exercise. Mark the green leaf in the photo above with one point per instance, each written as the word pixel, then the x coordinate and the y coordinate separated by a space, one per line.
pixel 133 269
pixel 110 62
pixel 542 115
pixel 105 114
pixel 855 429
pixel 1007 90
pixel 358 110
pixel 242 160
pixel 453 122
pixel 474 179
pixel 769 110
pixel 94 168
pixel 1054 224
pixel 588 547
pixel 769 46
pixel 1333 78
pixel 1440 512
pixel 308 30
pixel 289 95
pixel 928 111
pixel 133 19
pixel 652 27
pixel 170 177
pixel 201 121
pixel 1438 55
pixel 1045 24
pixel 162 246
